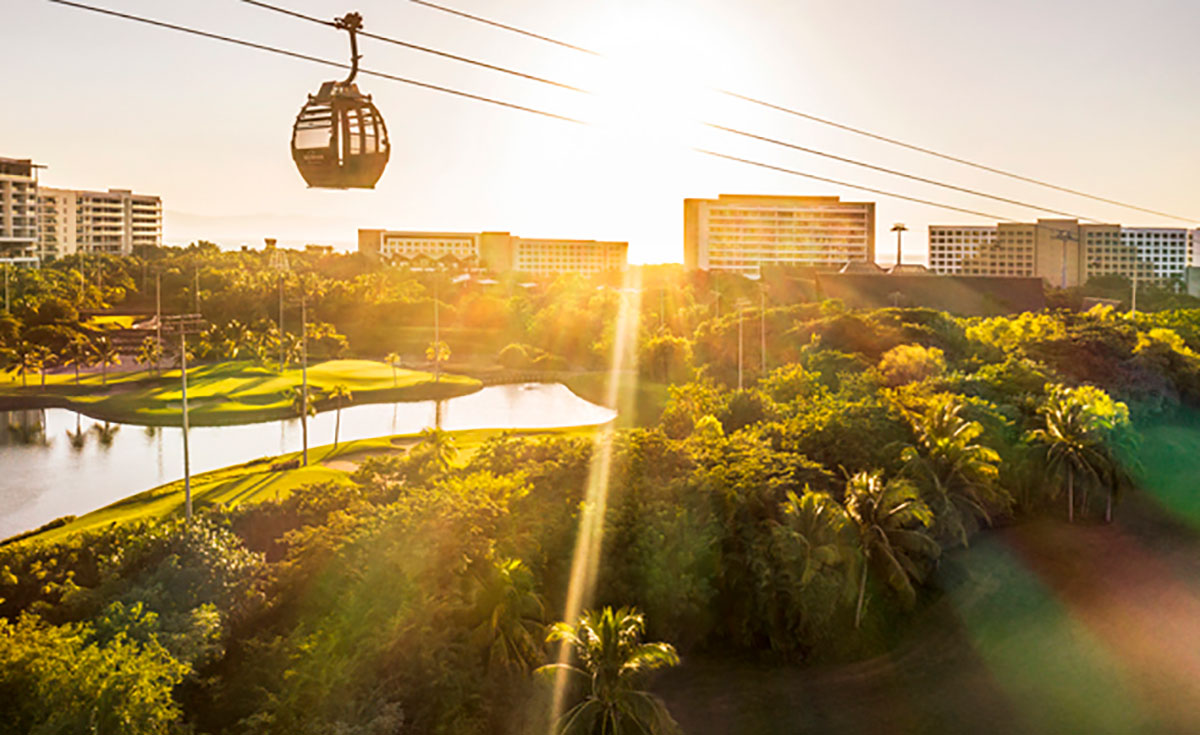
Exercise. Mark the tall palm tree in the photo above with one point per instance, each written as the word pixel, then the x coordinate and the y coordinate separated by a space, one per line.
pixel 958 476
pixel 823 530
pixel 1073 444
pixel 507 613
pixel 106 354
pixel 612 660
pixel 393 359
pixel 22 359
pixel 437 353
pixel 892 523
pixel 299 403
pixel 79 353
pixel 44 357
pixel 339 393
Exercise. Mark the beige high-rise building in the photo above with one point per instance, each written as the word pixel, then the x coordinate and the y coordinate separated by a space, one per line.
pixel 496 251
pixel 1064 253
pixel 18 211
pixel 740 233
pixel 113 222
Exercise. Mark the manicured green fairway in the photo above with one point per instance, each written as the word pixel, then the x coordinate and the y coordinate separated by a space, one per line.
pixel 232 392
pixel 255 481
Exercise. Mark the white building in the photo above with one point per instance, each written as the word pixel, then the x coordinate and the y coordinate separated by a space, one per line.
pixel 18 211
pixel 112 222
pixel 496 251
pixel 740 233
pixel 1063 252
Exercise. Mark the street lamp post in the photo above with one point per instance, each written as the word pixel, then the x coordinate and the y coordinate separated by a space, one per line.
pixel 1064 237
pixel 185 323
pixel 304 369
pixel 899 229
pixel 762 314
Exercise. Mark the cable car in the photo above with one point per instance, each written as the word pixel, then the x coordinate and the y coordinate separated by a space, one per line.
pixel 339 140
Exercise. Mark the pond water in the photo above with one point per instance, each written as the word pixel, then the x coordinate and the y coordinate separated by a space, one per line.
pixel 54 462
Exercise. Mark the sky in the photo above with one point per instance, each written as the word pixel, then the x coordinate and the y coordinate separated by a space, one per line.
pixel 1097 95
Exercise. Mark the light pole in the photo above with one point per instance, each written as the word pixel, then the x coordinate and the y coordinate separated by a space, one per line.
pixel 741 304
pixel 762 314
pixel 185 323
pixel 158 315
pixel 304 369
pixel 1064 237
pixel 899 229
pixel 7 305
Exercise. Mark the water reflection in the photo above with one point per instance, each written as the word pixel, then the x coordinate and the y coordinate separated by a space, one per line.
pixel 27 428
pixel 44 479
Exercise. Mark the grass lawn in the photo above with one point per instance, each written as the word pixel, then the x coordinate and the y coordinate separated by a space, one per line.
pixel 645 398
pixel 255 481
pixel 230 392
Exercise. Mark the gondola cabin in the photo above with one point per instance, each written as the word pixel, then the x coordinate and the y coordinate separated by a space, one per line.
pixel 339 140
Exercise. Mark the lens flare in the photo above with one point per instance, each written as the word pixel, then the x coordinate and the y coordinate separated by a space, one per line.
pixel 619 394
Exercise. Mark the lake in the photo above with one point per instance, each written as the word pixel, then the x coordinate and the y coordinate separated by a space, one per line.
pixel 55 462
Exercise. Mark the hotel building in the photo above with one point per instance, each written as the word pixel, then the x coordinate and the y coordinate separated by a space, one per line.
pixel 18 211
pixel 740 233
pixel 1062 252
pixel 113 222
pixel 496 251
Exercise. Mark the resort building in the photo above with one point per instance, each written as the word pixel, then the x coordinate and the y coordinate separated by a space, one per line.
pixel 18 211
pixel 1064 253
pixel 741 233
pixel 113 222
pixel 495 251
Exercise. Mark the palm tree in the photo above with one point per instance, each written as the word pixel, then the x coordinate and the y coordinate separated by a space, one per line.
pixel 437 353
pixel 439 444
pixel 150 354
pixel 22 359
pixel 339 393
pixel 822 529
pixel 78 352
pixel 299 403
pixel 509 615
pixel 958 476
pixel 892 523
pixel 1073 444
pixel 393 359
pixel 106 354
pixel 45 359
pixel 612 660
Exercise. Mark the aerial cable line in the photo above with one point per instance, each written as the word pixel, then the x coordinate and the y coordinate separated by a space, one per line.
pixel 881 192
pixel 514 29
pixel 762 138
pixel 948 157
pixel 894 172
pixel 540 112
pixel 423 49
pixel 843 126
pixel 318 60
pixel 502 103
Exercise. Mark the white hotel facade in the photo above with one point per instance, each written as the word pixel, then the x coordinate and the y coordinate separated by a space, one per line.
pixel 1064 252
pixel 740 233
pixel 112 222
pixel 496 251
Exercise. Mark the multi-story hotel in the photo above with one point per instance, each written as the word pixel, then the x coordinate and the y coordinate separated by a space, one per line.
pixel 496 251
pixel 1062 252
pixel 18 211
pixel 113 222
pixel 740 233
